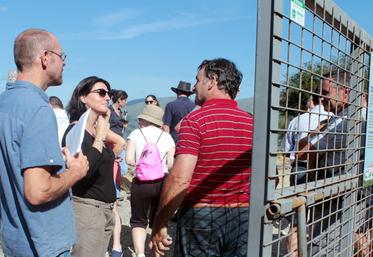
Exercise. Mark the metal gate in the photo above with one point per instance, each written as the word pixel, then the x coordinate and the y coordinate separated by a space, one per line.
pixel 310 200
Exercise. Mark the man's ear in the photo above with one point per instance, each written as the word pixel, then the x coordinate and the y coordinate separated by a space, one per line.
pixel 44 59
pixel 346 92
pixel 213 82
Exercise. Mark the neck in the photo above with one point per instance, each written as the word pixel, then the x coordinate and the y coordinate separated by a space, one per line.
pixel 116 105
pixel 218 95
pixel 32 77
pixel 116 108
pixel 91 122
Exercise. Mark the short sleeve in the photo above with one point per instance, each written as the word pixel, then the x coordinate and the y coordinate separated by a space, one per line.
pixel 134 135
pixel 167 117
pixel 290 137
pixel 189 137
pixel 170 142
pixel 39 144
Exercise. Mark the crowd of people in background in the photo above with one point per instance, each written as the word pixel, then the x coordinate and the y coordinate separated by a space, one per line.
pixel 190 162
pixel 60 203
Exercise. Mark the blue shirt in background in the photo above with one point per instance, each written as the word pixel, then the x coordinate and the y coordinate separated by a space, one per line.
pixel 28 138
pixel 175 111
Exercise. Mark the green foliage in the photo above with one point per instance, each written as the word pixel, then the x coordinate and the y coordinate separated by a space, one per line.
pixel 301 86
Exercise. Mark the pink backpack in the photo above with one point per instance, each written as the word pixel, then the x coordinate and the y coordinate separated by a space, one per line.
pixel 149 166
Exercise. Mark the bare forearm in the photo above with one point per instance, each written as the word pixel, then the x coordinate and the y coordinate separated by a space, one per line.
pixel 118 148
pixel 52 187
pixel 42 185
pixel 118 142
pixel 304 148
pixel 175 189
pixel 173 194
pixel 98 144
pixel 59 185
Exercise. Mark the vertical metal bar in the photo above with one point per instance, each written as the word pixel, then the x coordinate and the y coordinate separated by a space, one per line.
pixel 349 200
pixel 302 231
pixel 263 73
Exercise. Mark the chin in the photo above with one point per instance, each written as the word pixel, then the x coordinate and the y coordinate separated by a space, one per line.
pixel 56 83
pixel 104 110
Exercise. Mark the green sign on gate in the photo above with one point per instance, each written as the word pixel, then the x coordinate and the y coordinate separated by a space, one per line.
pixel 298 11
pixel 368 160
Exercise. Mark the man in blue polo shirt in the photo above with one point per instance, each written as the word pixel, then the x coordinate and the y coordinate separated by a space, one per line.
pixel 178 109
pixel 36 211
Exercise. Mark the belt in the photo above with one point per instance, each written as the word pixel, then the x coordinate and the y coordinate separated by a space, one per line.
pixel 93 202
pixel 217 205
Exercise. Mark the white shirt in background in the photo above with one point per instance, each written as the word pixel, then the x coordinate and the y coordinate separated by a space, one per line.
pixel 62 122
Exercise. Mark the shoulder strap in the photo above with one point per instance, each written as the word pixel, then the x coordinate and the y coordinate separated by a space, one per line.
pixel 144 136
pixel 159 137
pixel 158 149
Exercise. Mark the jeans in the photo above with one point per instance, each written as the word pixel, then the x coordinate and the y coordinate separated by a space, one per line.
pixel 212 231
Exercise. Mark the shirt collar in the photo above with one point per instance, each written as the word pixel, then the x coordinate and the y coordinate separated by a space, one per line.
pixel 220 101
pixel 27 85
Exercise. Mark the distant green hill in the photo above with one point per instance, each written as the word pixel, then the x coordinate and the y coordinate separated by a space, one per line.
pixel 136 106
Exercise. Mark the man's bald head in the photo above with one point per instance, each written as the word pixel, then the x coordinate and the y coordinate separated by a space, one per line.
pixel 28 45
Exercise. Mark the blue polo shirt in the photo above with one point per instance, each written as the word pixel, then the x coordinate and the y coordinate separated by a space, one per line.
pixel 175 111
pixel 28 138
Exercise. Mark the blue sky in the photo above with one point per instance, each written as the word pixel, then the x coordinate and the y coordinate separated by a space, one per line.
pixel 144 47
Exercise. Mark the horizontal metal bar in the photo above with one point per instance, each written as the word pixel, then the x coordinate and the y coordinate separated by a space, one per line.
pixel 316 191
pixel 335 11
pixel 319 56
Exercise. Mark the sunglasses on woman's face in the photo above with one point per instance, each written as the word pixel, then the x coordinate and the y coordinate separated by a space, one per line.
pixel 101 92
pixel 149 102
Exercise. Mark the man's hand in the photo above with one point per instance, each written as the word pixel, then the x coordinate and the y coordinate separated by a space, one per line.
pixel 78 164
pixel 159 241
pixel 166 128
pixel 42 185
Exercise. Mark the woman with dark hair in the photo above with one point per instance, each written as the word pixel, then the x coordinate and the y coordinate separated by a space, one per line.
pixel 94 195
pixel 151 99
pixel 117 125
pixel 119 101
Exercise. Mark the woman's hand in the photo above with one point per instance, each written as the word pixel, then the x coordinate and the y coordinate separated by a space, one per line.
pixel 102 126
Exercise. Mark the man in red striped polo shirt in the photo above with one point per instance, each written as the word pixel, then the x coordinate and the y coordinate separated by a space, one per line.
pixel 210 180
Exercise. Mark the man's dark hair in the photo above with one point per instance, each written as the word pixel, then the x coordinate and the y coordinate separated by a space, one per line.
pixel 55 102
pixel 339 76
pixel 76 108
pixel 226 73
pixel 118 94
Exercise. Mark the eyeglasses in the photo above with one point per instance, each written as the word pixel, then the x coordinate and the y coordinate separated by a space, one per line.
pixel 101 92
pixel 62 55
pixel 149 102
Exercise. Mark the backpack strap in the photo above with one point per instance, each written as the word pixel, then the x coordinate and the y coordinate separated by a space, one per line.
pixel 144 136
pixel 157 146
pixel 156 142
pixel 159 137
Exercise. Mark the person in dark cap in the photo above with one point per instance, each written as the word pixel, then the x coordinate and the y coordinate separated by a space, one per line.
pixel 178 108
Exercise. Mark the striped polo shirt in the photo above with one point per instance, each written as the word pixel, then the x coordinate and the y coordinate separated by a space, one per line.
pixel 220 135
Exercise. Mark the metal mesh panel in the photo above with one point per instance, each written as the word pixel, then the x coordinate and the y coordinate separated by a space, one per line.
pixel 315 204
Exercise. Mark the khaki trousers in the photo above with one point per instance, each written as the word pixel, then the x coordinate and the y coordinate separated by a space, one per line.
pixel 94 223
